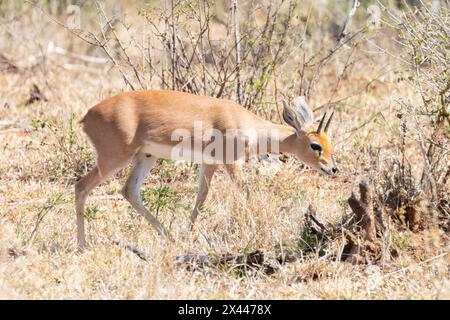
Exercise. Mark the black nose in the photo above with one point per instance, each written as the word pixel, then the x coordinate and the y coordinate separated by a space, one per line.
pixel 334 170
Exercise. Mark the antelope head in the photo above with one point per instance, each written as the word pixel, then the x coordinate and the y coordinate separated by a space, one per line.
pixel 310 144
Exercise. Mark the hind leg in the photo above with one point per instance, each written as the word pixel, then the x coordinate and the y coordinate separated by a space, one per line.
pixel 142 164
pixel 83 187
pixel 204 182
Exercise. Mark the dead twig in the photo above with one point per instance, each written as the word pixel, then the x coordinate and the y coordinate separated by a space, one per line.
pixel 50 204
pixel 253 260
pixel 7 65
pixel 416 264
pixel 11 123
pixel 35 95
pixel 141 254
pixel 238 50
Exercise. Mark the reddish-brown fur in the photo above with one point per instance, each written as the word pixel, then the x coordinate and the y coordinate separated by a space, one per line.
pixel 119 126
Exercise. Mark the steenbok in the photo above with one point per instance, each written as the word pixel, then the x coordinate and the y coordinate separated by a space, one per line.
pixel 148 125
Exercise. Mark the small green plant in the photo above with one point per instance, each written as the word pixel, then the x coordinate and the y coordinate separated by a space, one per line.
pixel 91 212
pixel 308 240
pixel 238 272
pixel 159 198
pixel 73 157
pixel 42 212
pixel 71 133
pixel 43 123
pixel 401 241
pixel 206 211
pixel 343 203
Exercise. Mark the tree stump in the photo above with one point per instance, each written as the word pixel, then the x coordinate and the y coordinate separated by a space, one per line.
pixel 363 210
pixel 362 244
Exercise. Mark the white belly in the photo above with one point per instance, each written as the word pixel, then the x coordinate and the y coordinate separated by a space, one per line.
pixel 158 150
pixel 187 154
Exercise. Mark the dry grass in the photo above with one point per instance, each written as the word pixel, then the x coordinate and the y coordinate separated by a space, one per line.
pixel 44 151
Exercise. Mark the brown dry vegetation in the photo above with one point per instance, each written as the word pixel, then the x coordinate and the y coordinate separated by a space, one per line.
pixel 370 82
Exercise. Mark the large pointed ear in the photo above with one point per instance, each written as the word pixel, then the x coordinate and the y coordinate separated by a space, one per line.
pixel 305 112
pixel 291 118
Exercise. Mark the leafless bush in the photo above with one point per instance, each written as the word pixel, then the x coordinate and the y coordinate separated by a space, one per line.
pixel 184 47
pixel 238 65
pixel 424 32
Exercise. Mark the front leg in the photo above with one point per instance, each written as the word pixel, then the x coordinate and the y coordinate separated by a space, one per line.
pixel 204 181
pixel 142 164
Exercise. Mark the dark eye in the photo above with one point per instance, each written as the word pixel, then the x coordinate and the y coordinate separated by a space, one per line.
pixel 316 147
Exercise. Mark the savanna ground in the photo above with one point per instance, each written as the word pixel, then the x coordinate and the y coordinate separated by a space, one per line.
pixel 369 80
